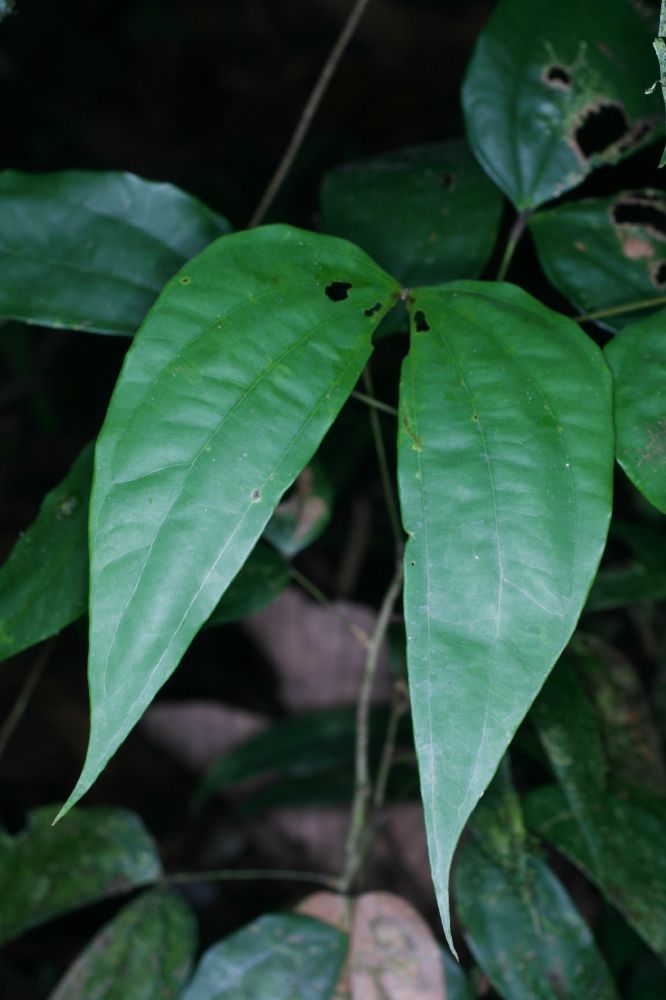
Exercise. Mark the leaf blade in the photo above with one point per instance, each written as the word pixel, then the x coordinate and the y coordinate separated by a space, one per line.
pixel 506 505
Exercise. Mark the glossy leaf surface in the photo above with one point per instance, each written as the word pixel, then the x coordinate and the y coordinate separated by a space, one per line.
pixel 47 870
pixel 144 953
pixel 505 463
pixel 608 252
pixel 44 581
pixel 411 211
pixel 281 956
pixel 637 358
pixel 92 250
pixel 520 924
pixel 634 877
pixel 554 90
pixel 227 390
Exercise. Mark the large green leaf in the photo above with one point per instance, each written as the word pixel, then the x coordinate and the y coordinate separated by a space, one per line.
pixel 92 250
pixel 556 89
pixel 505 465
pixel 44 582
pixel 634 874
pixel 637 358
pixel 279 956
pixel 520 924
pixel 605 252
pixel 412 211
pixel 46 870
pixel 144 953
pixel 234 378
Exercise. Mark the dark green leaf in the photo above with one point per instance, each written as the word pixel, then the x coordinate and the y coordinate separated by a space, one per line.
pixel 520 924
pixel 411 211
pixel 279 956
pixel 92 250
pixel 261 579
pixel 303 515
pixel 556 89
pixel 144 953
pixel 505 465
pixel 607 252
pixel 457 987
pixel 6 7
pixel 634 877
pixel 47 870
pixel 44 582
pixel 233 380
pixel 637 358
pixel 660 48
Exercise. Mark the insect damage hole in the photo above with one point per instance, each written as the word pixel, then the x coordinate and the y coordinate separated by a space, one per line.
pixel 373 309
pixel 658 273
pixel 338 291
pixel 599 127
pixel 420 322
pixel 255 496
pixel 640 213
pixel 556 76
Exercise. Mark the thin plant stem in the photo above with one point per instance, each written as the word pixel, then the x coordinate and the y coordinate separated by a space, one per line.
pixel 375 403
pixel 251 875
pixel 358 838
pixel 399 707
pixel 25 694
pixel 313 590
pixel 382 460
pixel 658 300
pixel 517 230
pixel 309 111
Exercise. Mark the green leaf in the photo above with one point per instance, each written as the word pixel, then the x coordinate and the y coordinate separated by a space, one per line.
pixel 144 953
pixel 6 7
pixel 632 584
pixel 554 90
pixel 236 375
pixel 47 870
pixel 281 956
pixel 637 358
pixel 457 986
pixel 261 579
pixel 660 49
pixel 606 252
pixel 520 924
pixel 44 582
pixel 411 211
pixel 634 875
pixel 505 466
pixel 92 250
pixel 302 517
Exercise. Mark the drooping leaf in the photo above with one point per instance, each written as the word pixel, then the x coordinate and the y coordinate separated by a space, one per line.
pixel 230 385
pixel 554 90
pixel 92 250
pixel 281 956
pixel 411 211
pixel 302 517
pixel 606 252
pixel 261 579
pixel 144 953
pixel 505 464
pixel 634 876
pixel 47 870
pixel 44 582
pixel 637 358
pixel 520 924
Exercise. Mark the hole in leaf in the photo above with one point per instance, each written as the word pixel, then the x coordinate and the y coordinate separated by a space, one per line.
pixel 420 322
pixel 640 213
pixel 448 181
pixel 557 76
pixel 602 125
pixel 658 272
pixel 255 496
pixel 185 280
pixel 337 291
pixel 373 309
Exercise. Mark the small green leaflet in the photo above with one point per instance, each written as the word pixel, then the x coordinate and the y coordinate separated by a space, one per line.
pixel 505 466
pixel 226 392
